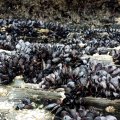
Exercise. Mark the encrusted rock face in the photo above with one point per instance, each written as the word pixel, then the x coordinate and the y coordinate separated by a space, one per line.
pixel 66 10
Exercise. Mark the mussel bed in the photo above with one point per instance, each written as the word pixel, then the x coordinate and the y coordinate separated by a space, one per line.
pixel 55 61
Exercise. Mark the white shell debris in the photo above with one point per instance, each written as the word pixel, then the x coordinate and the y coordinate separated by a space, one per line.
pixel 6 105
pixel 33 115
pixel 3 92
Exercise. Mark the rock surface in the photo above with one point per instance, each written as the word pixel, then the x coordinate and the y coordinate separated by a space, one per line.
pixel 62 10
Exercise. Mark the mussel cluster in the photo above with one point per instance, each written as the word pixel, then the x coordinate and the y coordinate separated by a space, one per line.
pixel 95 41
pixel 61 65
pixel 68 110
pixel 116 56
pixel 56 65
pixel 13 29
pixel 24 104
pixel 91 40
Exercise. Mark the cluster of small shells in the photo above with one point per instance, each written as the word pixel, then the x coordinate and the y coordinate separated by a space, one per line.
pixel 116 56
pixel 61 65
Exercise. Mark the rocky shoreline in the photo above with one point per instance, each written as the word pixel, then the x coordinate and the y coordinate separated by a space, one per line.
pixel 67 53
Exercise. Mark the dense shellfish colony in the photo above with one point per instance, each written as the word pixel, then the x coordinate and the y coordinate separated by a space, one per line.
pixel 116 56
pixel 56 65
